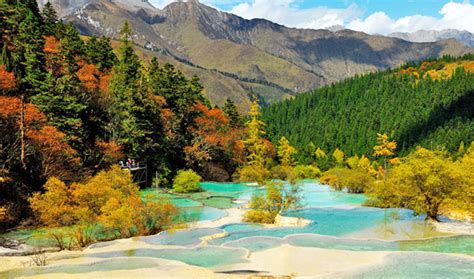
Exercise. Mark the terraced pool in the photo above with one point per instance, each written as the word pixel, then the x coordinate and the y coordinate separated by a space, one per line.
pixel 338 222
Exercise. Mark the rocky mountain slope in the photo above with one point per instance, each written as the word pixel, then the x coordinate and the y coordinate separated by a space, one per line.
pixel 238 58
pixel 422 36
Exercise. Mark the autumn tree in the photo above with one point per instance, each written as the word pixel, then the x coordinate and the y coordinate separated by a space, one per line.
pixel 423 182
pixel 7 80
pixel 109 198
pixel 55 207
pixel 277 198
pixel 255 145
pixel 179 96
pixel 286 152
pixel 338 156
pixel 385 149
pixel 216 149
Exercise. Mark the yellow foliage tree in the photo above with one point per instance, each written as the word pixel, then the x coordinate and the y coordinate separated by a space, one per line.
pixel 338 155
pixel 3 213
pixel 265 208
pixel 385 148
pixel 255 144
pixel 55 207
pixel 320 154
pixel 286 152
pixel 364 163
pixel 353 162
pixel 463 196
pixel 110 198
pixel 423 182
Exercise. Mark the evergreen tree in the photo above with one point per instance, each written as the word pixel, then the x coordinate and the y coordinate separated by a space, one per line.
pixel 100 52
pixel 50 19
pixel 423 104
pixel 230 109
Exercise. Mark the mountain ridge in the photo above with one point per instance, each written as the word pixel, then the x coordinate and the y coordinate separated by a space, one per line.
pixel 259 52
pixel 463 36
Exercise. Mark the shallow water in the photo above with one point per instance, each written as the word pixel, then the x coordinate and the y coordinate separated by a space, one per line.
pixel 453 244
pixel 105 265
pixel 201 213
pixel 200 256
pixel 255 244
pixel 382 224
pixel 415 265
pixel 338 221
pixel 224 188
pixel 190 237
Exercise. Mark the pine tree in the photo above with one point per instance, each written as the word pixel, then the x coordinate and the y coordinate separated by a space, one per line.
pixel 100 52
pixel 230 109
pixel 50 19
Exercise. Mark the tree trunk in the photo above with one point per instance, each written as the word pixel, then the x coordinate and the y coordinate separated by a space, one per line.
pixel 22 131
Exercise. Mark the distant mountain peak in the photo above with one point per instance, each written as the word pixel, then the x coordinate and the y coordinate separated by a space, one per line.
pixel 423 36
pixel 237 58
pixel 335 28
pixel 66 7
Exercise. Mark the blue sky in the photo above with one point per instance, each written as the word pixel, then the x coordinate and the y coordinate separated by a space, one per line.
pixel 392 8
pixel 370 16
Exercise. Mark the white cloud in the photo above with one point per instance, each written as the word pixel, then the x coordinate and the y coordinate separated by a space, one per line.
pixel 160 4
pixel 452 16
pixel 287 13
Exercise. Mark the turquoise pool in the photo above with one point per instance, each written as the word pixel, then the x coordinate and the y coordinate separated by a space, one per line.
pixel 338 221
pixel 201 213
pixel 415 265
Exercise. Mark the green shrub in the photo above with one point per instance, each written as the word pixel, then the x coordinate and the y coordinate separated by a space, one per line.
pixel 186 182
pixel 264 208
pixel 282 172
pixel 253 174
pixel 307 172
pixel 353 180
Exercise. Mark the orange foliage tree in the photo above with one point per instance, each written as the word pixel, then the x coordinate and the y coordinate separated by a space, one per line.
pixel 7 79
pixel 57 157
pixel 215 141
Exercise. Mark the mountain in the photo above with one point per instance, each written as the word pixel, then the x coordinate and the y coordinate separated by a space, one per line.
pixel 404 103
pixel 238 58
pixel 421 36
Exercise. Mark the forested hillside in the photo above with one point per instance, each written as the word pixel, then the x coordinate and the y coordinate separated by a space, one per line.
pixel 237 58
pixel 428 104
pixel 71 108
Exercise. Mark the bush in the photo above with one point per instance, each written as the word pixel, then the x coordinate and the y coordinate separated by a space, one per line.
pixel 353 180
pixel 282 172
pixel 109 199
pixel 328 179
pixel 55 207
pixel 265 208
pixel 253 174
pixel 307 172
pixel 186 182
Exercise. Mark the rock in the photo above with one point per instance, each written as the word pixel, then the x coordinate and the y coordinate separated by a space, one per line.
pixel 284 221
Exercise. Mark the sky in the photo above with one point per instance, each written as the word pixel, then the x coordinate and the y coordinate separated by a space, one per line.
pixel 370 16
